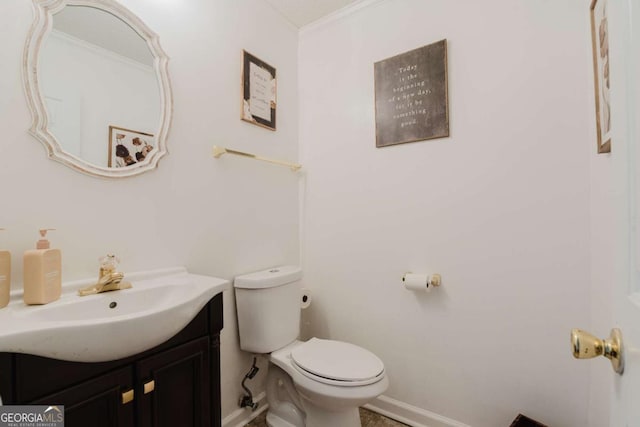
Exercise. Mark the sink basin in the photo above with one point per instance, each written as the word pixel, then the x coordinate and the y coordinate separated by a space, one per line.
pixel 111 325
pixel 128 302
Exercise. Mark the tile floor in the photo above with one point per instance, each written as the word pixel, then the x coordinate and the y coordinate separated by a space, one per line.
pixel 368 418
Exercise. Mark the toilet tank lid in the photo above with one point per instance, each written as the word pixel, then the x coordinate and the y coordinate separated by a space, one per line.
pixel 270 278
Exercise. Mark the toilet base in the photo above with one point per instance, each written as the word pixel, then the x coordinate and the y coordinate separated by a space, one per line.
pixel 350 418
pixel 320 417
pixel 275 421
pixel 289 408
pixel 285 407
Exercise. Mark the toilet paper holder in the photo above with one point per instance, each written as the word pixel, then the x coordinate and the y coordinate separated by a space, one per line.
pixel 432 279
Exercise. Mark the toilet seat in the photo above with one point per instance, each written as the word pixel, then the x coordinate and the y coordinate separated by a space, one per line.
pixel 337 363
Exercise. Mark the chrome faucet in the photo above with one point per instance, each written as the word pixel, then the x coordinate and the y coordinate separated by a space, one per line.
pixel 109 278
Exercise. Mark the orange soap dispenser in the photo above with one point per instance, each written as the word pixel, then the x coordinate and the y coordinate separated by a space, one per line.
pixel 42 272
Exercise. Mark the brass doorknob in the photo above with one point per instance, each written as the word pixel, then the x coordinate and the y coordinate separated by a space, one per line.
pixel 586 346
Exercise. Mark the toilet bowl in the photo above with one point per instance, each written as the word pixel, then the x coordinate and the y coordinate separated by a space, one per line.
pixel 314 383
pixel 331 378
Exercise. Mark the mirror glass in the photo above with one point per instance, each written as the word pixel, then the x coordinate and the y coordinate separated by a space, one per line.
pixel 100 90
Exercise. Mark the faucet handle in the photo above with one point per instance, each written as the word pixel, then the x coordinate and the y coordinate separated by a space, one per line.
pixel 108 263
pixel 109 259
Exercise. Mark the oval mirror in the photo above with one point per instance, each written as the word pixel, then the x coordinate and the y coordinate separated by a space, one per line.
pixel 98 87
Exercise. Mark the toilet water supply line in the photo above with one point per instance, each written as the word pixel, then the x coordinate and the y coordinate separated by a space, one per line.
pixel 247 400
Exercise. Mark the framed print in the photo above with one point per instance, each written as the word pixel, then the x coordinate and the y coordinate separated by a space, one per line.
pixel 258 92
pixel 128 147
pixel 601 75
pixel 412 96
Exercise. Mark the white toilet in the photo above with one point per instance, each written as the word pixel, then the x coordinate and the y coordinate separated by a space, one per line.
pixel 317 383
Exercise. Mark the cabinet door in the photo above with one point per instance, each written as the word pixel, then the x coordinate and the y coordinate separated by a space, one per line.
pixel 96 403
pixel 174 387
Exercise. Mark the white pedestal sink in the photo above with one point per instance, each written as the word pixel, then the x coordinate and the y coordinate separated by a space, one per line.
pixel 111 325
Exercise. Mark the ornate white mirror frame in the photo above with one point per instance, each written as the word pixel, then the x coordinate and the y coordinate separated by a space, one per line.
pixel 42 25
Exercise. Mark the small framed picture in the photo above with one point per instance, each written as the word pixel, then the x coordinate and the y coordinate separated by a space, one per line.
pixel 258 92
pixel 128 147
pixel 601 75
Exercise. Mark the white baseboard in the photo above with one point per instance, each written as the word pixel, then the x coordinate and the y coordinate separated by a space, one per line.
pixel 394 409
pixel 242 416
pixel 409 414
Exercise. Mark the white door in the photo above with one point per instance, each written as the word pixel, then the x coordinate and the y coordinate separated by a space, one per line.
pixel 621 183
pixel 624 26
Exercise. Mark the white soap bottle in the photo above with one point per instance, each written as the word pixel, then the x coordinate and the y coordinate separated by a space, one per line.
pixel 5 277
pixel 42 272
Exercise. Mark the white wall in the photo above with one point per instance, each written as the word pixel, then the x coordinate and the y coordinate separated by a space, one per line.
pixel 219 217
pixel 501 208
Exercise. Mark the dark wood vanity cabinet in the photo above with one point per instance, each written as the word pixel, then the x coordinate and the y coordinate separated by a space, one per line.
pixel 176 384
pixel 175 387
pixel 96 402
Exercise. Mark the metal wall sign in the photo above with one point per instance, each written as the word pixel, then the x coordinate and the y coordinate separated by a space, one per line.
pixel 411 96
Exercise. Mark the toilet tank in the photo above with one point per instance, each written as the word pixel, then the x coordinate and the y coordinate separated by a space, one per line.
pixel 268 308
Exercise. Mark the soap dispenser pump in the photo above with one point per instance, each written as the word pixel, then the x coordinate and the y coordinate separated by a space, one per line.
pixel 5 277
pixel 42 272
